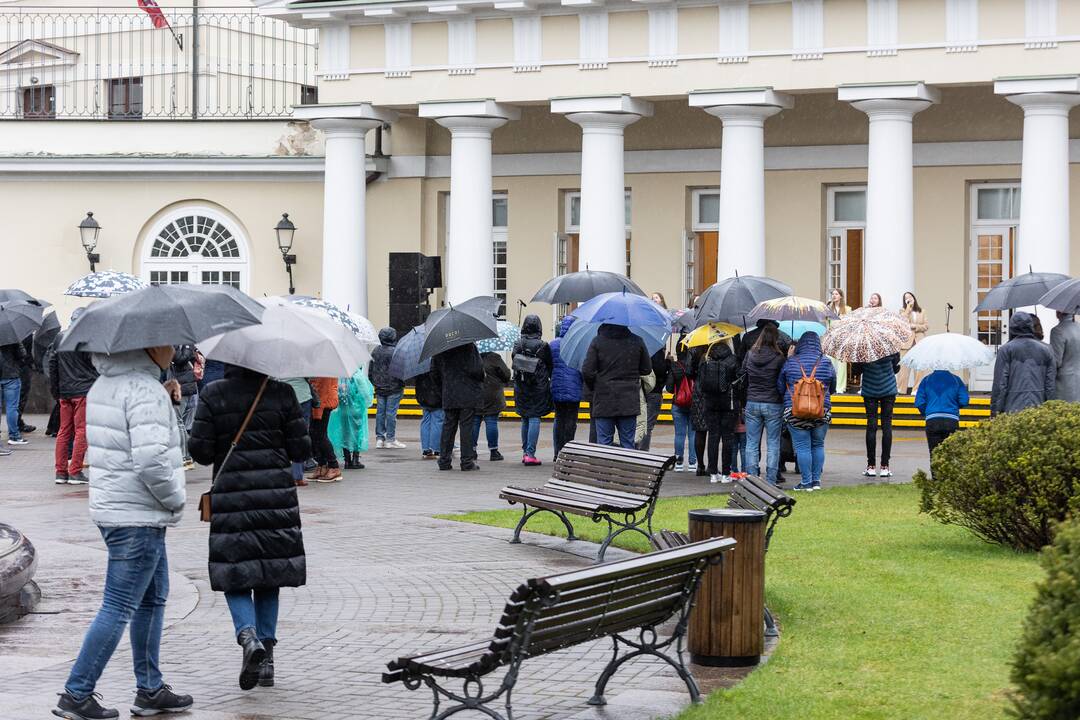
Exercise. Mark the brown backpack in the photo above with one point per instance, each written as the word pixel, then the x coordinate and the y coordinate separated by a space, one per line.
pixel 808 396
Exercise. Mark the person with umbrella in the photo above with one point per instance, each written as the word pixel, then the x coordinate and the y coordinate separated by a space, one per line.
pixel 879 398
pixel 764 404
pixel 18 321
pixel 531 360
pixel 388 391
pixel 614 365
pixel 12 359
pixel 459 372
pixel 71 375
pixel 565 390
pixel 1065 343
pixel 1025 373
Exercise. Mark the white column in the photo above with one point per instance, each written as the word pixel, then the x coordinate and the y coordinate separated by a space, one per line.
pixel 344 261
pixel 468 263
pixel 889 249
pixel 741 246
pixel 602 245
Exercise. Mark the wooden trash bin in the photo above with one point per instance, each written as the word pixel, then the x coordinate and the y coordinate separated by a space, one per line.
pixel 726 626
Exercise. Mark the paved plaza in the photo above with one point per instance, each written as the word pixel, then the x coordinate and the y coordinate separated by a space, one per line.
pixel 384 579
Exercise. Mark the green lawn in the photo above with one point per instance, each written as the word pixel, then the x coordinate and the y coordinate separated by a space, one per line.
pixel 884 613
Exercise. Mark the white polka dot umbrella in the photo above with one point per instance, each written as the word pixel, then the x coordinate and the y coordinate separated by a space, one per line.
pixel 865 335
pixel 104 284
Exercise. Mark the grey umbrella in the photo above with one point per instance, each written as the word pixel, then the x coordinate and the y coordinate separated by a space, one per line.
pixel 160 315
pixel 18 320
pixel 584 285
pixel 457 325
pixel 1021 291
pixel 731 300
pixel 44 336
pixel 13 294
pixel 1064 297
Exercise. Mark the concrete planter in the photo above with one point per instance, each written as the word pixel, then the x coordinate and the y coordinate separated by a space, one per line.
pixel 18 562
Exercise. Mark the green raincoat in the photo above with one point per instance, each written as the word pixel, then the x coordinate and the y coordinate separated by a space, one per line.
pixel 348 426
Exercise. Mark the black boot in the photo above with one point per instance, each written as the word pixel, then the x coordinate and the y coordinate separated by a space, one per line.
pixel 254 652
pixel 266 670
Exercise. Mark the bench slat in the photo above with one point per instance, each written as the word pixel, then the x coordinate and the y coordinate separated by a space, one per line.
pixel 639 457
pixel 594 490
pixel 605 501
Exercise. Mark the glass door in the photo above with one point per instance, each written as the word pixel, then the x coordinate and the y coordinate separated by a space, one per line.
pixel 994 253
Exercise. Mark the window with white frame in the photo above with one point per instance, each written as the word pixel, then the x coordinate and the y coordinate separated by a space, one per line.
pixel 500 208
pixel 198 245
pixel 845 233
pixel 566 248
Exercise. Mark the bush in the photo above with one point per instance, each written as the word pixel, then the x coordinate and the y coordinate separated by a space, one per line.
pixel 1008 480
pixel 1046 669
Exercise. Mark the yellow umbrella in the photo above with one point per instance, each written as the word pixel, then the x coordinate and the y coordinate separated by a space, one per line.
pixel 711 333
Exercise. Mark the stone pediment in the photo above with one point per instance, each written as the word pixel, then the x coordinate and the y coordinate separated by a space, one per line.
pixel 37 52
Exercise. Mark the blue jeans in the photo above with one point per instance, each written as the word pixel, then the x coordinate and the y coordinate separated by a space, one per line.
pixel 491 426
pixel 606 427
pixel 810 451
pixel 738 453
pixel 530 435
pixel 770 418
pixel 684 433
pixel 298 467
pixel 9 393
pixel 136 587
pixel 430 428
pixel 386 416
pixel 254 609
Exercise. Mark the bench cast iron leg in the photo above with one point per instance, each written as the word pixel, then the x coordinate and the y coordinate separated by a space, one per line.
pixel 526 514
pixel 472 698
pixel 612 535
pixel 770 625
pixel 616 662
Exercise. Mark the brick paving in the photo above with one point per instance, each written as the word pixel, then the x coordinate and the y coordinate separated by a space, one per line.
pixel 384 579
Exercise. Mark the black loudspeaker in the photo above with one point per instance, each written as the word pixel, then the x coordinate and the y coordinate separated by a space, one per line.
pixel 405 316
pixel 413 276
pixel 431 272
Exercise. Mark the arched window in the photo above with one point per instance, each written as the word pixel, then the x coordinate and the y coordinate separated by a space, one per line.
pixel 198 245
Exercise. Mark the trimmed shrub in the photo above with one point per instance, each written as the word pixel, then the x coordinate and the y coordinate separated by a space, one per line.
pixel 1008 480
pixel 1046 669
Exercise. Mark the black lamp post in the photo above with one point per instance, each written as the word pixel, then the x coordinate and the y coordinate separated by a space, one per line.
pixel 285 231
pixel 89 229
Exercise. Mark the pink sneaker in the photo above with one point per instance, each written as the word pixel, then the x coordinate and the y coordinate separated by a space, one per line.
pixel 530 460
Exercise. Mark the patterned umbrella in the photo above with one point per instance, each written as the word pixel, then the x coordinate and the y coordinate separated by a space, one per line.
pixel 711 333
pixel 948 351
pixel 104 284
pixel 865 335
pixel 791 307
pixel 508 335
pixel 360 326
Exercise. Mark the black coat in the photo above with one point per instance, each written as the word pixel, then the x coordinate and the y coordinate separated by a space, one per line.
pixel 614 365
pixel 183 369
pixel 762 368
pixel 719 369
pixel 255 538
pixel 748 339
pixel 428 393
pixel 12 359
pixel 1025 372
pixel 496 375
pixel 532 391
pixel 460 373
pixel 379 367
pixel 660 368
pixel 71 374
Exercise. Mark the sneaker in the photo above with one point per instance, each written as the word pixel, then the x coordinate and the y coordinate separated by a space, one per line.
pixel 163 701
pixel 430 455
pixel 679 466
pixel 870 471
pixel 816 485
pixel 88 709
pixel 319 473
pixel 496 456
pixel 301 483
pixel 310 465
pixel 189 464
pixel 330 475
pixel 804 486
pixel 714 478
pixel 17 441
pixel 61 478
pixel 726 479
pixel 78 479
pixel 884 471
pixel 379 444
pixel 27 429
pixel 530 461
pixel 395 445
pixel 692 467
pixel 4 452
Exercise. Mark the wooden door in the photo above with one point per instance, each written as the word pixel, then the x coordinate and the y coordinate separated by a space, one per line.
pixel 572 252
pixel 854 270
pixel 705 259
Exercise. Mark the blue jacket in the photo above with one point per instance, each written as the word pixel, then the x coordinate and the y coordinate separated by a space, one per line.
pixel 565 380
pixel 879 377
pixel 807 353
pixel 941 395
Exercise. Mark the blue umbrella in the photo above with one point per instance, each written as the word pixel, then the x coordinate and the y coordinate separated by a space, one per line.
pixel 623 308
pixel 508 335
pixel 576 341
pixel 406 361
pixel 796 328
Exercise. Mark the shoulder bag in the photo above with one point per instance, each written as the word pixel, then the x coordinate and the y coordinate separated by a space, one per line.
pixel 205 512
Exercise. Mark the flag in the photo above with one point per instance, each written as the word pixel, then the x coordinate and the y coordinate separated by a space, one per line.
pixel 154 11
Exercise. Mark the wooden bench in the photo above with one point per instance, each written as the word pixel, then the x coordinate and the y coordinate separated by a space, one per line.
pixel 600 482
pixel 559 611
pixel 747 493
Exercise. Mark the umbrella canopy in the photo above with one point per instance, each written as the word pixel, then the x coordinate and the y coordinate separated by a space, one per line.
pixel 291 341
pixel 44 336
pixel 458 325
pixel 13 294
pixel 1064 297
pixel 18 320
pixel 575 343
pixel 584 285
pixel 682 320
pixel 104 284
pixel 406 362
pixel 948 351
pixel 1020 291
pixel 360 326
pixel 797 328
pixel 711 333
pixel 731 300
pixel 161 315
pixel 866 334
pixel 791 307
pixel 621 308
pixel 508 335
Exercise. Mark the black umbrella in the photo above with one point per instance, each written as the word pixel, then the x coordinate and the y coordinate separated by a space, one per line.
pixel 44 336
pixel 161 315
pixel 584 285
pixel 18 320
pixel 1064 297
pixel 458 325
pixel 731 300
pixel 14 295
pixel 1021 291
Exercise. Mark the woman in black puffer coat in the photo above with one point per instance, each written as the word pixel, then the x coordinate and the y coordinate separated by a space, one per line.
pixel 532 386
pixel 256 545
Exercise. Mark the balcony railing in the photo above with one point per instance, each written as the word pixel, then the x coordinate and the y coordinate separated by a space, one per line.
pixel 153 64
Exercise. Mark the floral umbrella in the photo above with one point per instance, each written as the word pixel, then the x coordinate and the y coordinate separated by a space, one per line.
pixel 865 335
pixel 508 335
pixel 791 307
pixel 360 326
pixel 104 284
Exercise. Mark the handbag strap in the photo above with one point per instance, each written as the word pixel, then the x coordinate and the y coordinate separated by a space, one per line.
pixel 240 432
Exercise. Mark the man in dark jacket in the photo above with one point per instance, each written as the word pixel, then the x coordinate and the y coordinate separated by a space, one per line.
pixel 655 395
pixel 388 390
pixel 460 373
pixel 565 391
pixel 1025 373
pixel 26 378
pixel 71 375
pixel 182 371
pixel 531 359
pixel 614 365
pixel 496 375
pixel 12 359
pixel 429 398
